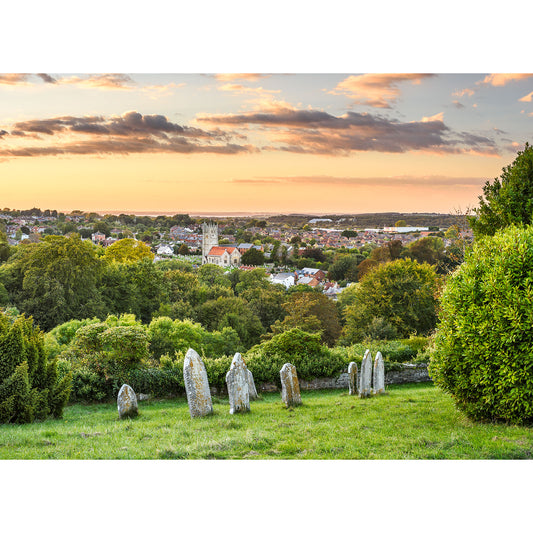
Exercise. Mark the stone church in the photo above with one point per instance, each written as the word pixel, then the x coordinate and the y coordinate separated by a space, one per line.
pixel 214 254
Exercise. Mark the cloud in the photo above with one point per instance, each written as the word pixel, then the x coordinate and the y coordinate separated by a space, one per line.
pixel 100 81
pixel 458 104
pixel 131 132
pixel 464 92
pixel 390 181
pixel 247 77
pixel 241 89
pixel 527 97
pixel 375 90
pixel 439 117
pixel 14 79
pixel 499 80
pixel 318 132
pixel 47 78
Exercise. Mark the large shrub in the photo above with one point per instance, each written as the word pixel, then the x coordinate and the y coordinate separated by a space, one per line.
pixel 304 350
pixel 403 293
pixel 29 385
pixel 483 351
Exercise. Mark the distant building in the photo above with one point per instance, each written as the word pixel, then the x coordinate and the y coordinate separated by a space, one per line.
pixel 286 279
pixel 214 254
pixel 405 229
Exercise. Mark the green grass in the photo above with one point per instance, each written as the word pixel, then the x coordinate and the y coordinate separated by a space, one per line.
pixel 409 422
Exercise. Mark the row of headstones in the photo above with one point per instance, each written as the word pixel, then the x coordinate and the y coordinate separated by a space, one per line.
pixel 369 382
pixel 241 386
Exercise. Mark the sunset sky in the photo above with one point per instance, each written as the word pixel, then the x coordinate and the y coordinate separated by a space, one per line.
pixel 207 143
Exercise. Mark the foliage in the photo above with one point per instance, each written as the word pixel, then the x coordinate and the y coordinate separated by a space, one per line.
pixel 402 292
pixel 29 385
pixel 484 343
pixel 508 199
pixel 426 250
pixel 55 280
pixel 128 250
pixel 301 348
pixel 345 267
pixel 312 312
pixel 253 257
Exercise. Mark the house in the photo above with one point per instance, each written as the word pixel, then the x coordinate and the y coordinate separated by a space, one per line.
pixel 223 256
pixel 285 278
pixel 164 249
pixel 316 273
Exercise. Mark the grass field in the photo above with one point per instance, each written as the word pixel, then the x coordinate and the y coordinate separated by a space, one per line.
pixel 409 422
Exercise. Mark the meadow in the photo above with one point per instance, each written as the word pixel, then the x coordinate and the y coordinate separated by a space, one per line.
pixel 415 421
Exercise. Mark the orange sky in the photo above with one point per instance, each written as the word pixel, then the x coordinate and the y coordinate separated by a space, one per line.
pixel 258 143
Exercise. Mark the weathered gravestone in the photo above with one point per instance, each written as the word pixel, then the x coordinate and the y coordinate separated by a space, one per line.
pixel 196 385
pixel 352 373
pixel 290 387
pixel 365 382
pixel 237 382
pixel 251 385
pixel 379 375
pixel 127 402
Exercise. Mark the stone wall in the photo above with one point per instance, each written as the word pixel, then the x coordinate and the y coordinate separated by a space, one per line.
pixel 410 373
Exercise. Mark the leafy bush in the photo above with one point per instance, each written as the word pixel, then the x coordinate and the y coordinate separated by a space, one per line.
pixel 30 388
pixel 483 352
pixel 304 350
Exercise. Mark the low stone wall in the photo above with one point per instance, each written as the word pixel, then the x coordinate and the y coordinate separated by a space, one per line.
pixel 410 373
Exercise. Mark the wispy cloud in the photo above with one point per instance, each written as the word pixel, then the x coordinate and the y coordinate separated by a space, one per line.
pixel 499 80
pixel 464 92
pixel 318 132
pixel 390 181
pixel 131 132
pixel 14 79
pixel 527 97
pixel 99 81
pixel 242 89
pixel 248 77
pixel 375 90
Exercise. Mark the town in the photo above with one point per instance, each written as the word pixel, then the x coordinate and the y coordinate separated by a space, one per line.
pixel 293 249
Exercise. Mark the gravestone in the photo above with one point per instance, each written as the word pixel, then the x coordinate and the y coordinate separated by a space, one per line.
pixel 196 385
pixel 290 387
pixel 352 373
pixel 251 385
pixel 127 402
pixel 365 382
pixel 237 382
pixel 379 375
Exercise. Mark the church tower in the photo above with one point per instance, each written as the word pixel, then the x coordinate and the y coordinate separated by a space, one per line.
pixel 209 238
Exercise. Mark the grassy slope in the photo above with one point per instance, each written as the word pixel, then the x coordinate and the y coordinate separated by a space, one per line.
pixel 409 422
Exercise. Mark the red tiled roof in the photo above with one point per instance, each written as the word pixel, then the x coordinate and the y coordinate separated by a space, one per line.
pixel 219 250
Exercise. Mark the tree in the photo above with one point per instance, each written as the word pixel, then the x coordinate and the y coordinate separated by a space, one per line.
pixel 345 267
pixel 4 247
pixel 30 388
pixel 402 293
pixel 127 251
pixel 253 257
pixel 55 280
pixel 426 250
pixel 103 227
pixel 183 250
pixel 400 224
pixel 482 354
pixel 349 233
pixel 312 312
pixel 508 199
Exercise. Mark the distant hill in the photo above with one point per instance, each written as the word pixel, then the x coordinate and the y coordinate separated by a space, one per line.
pixel 371 220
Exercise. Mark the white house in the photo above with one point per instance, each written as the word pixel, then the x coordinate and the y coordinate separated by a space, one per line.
pixel 286 279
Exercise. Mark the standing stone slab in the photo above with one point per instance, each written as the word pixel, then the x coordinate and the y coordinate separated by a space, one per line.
pixel 365 382
pixel 251 385
pixel 237 382
pixel 127 402
pixel 290 387
pixel 352 373
pixel 196 385
pixel 378 383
